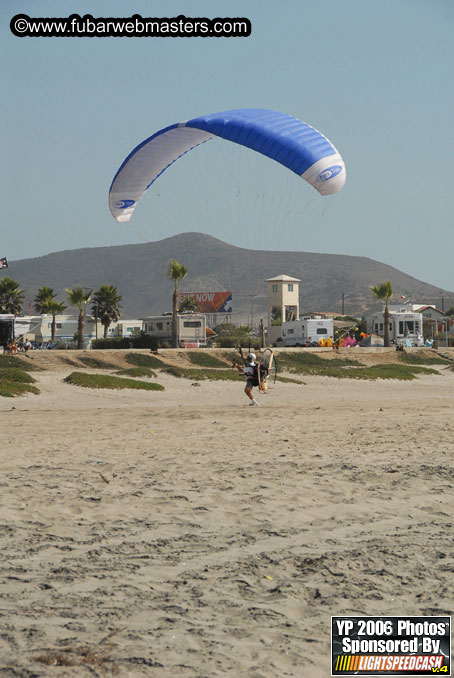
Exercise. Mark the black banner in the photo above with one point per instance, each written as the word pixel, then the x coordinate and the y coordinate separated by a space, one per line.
pixel 380 646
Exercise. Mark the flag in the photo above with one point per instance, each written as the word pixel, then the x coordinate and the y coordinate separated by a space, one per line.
pixel 4 263
pixel 403 296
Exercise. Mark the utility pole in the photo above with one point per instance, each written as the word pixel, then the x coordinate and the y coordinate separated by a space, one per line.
pixel 343 303
pixel 262 334
pixel 252 310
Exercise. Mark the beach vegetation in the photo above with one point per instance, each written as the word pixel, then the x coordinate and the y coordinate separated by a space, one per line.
pixel 42 296
pixel 15 381
pixel 383 292
pixel 106 306
pixel 136 372
pixel 312 364
pixel 96 364
pixel 79 298
pixel 288 380
pixel 304 360
pixel 230 335
pixel 110 382
pixel 208 374
pixel 143 360
pixel 11 296
pixel 189 304
pixel 417 358
pixel 140 340
pixel 391 371
pixel 10 361
pixel 176 272
pixel 53 307
pixel 204 359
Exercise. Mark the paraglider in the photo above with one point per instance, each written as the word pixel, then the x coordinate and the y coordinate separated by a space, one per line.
pixel 281 137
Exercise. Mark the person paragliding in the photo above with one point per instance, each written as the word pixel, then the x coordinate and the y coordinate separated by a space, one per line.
pixel 250 370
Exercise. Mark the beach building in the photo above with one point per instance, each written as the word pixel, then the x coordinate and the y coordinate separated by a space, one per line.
pixel 283 304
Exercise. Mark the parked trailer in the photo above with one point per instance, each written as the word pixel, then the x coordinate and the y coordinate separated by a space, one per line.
pixel 308 332
pixel 191 328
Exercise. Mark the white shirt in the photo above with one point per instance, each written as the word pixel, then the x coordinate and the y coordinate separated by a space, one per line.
pixel 249 369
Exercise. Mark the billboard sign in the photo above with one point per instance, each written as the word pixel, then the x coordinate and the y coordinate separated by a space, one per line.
pixel 210 302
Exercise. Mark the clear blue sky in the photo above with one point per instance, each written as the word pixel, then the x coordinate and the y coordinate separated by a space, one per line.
pixel 376 76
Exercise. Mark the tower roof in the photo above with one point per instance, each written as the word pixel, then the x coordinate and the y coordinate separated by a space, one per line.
pixel 283 278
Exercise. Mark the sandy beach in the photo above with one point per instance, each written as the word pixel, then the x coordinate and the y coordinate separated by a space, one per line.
pixel 182 533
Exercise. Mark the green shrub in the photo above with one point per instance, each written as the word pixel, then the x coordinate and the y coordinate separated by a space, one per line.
pixel 390 371
pixel 15 374
pixel 312 364
pixel 305 362
pixel 142 340
pixel 233 341
pixel 174 371
pixel 204 359
pixel 96 364
pixel 136 372
pixel 7 361
pixel 110 382
pixel 210 374
pixel 415 358
pixel 143 360
pixel 14 380
pixel 9 388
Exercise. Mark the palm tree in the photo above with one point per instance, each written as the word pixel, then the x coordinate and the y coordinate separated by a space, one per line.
pixel 52 307
pixel 78 298
pixel 189 304
pixel 106 306
pixel 42 297
pixel 176 272
pixel 383 292
pixel 11 296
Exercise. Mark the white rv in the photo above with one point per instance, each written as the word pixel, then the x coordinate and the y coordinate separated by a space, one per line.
pixel 39 328
pixel 191 328
pixel 308 332
pixel 404 328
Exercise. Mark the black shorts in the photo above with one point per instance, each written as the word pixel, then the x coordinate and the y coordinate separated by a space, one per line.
pixel 249 383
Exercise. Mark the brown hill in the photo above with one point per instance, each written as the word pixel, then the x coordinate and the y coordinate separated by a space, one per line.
pixel 140 275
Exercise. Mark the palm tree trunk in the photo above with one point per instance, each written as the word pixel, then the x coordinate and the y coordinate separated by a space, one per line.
pixel 81 330
pixel 53 329
pixel 386 319
pixel 435 344
pixel 174 317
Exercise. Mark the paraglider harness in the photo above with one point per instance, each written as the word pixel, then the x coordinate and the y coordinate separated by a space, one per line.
pixel 260 370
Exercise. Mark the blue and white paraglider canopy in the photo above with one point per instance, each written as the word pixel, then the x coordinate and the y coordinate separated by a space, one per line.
pixel 281 137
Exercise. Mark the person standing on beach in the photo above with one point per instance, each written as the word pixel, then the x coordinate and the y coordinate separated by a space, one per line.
pixel 249 370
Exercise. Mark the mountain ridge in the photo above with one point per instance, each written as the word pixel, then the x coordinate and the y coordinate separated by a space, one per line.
pixel 139 271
